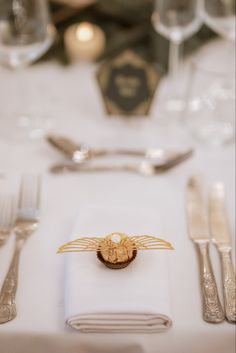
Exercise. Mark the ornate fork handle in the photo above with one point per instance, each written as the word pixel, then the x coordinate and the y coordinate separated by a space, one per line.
pixel 212 309
pixel 8 292
pixel 229 285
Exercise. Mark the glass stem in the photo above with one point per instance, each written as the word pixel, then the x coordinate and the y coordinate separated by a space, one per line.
pixel 174 58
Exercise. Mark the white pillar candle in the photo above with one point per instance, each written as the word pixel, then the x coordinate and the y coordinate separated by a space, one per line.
pixel 84 41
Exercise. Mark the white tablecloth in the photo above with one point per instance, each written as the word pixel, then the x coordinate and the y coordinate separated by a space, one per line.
pixel 71 97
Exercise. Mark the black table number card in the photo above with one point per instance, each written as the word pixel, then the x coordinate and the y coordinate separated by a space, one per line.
pixel 128 84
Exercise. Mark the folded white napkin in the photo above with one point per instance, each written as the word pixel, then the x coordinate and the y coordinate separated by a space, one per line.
pixel 134 299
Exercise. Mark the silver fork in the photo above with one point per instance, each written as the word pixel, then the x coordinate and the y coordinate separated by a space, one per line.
pixel 27 222
pixel 7 217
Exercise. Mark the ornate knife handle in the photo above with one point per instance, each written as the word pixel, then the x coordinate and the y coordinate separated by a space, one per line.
pixel 8 291
pixel 229 284
pixel 212 309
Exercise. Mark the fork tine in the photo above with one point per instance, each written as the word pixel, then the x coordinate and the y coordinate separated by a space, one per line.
pixel 25 192
pixel 22 193
pixel 38 191
pixel 7 213
pixel 30 187
pixel 2 211
pixel 13 211
pixel 35 191
pixel 29 191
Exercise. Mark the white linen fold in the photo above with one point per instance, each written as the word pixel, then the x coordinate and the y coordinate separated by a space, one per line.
pixel 135 299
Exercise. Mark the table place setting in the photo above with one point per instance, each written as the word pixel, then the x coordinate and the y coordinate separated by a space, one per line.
pixel 133 299
pixel 117 176
pixel 24 223
pixel 221 237
pixel 153 161
pixel 200 231
pixel 7 218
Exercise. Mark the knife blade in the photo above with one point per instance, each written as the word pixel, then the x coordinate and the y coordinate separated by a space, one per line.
pixel 197 217
pixel 199 234
pixel 220 233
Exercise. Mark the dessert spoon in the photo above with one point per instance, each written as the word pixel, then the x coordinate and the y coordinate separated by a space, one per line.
pixel 145 167
pixel 78 153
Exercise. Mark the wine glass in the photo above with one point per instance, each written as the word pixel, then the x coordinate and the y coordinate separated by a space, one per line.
pixel 219 15
pixel 26 33
pixel 210 108
pixel 176 20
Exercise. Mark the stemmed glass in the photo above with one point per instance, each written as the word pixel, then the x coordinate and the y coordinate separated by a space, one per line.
pixel 26 33
pixel 219 15
pixel 210 108
pixel 176 20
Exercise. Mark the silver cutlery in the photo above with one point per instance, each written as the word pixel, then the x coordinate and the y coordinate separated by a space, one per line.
pixel 27 222
pixel 7 217
pixel 199 234
pixel 220 233
pixel 145 167
pixel 79 153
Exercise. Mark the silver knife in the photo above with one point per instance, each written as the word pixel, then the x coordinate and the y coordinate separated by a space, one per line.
pixel 221 237
pixel 199 233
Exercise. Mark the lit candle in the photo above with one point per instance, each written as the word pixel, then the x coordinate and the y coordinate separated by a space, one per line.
pixel 84 41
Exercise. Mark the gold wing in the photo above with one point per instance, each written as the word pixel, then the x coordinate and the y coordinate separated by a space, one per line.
pixel 82 244
pixel 146 242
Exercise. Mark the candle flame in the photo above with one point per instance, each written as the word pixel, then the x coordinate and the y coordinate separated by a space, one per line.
pixel 85 32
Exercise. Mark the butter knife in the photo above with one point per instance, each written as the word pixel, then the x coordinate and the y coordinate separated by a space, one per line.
pixel 199 233
pixel 221 237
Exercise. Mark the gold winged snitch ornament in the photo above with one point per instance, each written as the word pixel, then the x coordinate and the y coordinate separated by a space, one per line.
pixel 116 250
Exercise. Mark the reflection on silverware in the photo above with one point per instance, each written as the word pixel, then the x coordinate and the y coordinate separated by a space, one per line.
pixel 199 234
pixel 7 217
pixel 78 153
pixel 221 237
pixel 146 167
pixel 27 222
